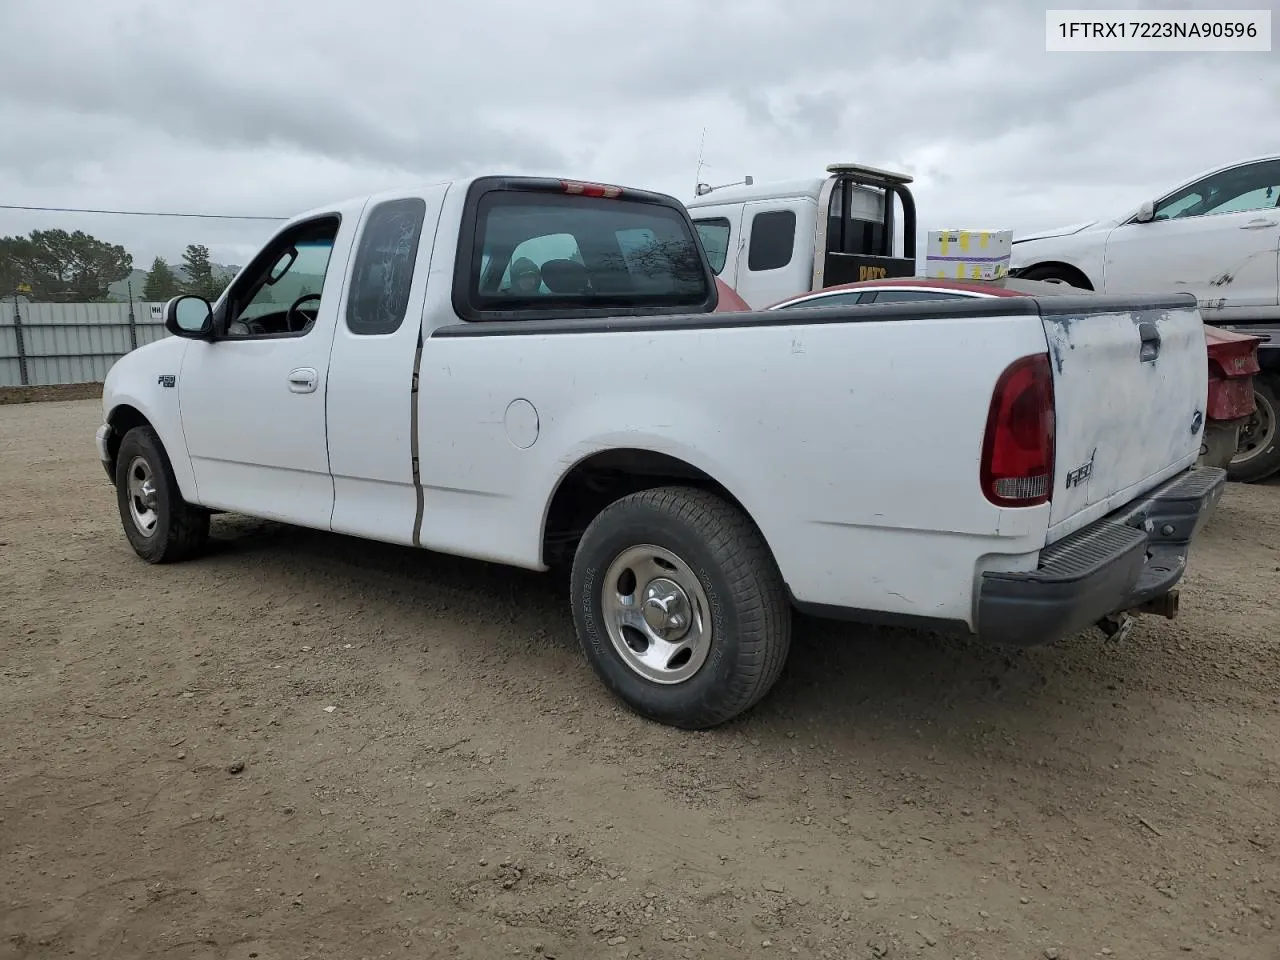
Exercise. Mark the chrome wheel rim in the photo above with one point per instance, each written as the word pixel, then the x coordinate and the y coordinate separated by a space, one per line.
pixel 141 490
pixel 1258 432
pixel 656 614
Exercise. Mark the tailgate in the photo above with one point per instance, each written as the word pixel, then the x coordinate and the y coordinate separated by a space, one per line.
pixel 1130 378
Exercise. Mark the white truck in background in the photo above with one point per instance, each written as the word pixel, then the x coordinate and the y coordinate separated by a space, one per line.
pixel 770 241
pixel 532 372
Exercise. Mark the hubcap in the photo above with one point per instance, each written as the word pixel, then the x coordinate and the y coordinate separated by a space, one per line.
pixel 1258 432
pixel 142 496
pixel 656 614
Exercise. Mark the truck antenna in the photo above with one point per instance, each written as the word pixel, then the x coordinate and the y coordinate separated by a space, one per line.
pixel 697 179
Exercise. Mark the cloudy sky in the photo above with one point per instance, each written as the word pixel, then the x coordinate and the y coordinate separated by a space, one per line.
pixel 240 107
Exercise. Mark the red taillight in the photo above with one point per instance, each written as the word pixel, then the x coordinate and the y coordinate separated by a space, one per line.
pixel 591 189
pixel 1017 451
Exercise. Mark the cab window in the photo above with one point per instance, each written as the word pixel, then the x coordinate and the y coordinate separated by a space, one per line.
pixel 773 235
pixel 279 293
pixel 714 235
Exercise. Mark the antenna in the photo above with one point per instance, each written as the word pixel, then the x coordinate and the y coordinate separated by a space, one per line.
pixel 697 179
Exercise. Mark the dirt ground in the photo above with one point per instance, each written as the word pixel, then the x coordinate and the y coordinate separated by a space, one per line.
pixel 305 745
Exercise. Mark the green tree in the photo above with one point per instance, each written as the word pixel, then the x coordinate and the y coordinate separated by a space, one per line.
pixel 11 269
pixel 198 270
pixel 162 282
pixel 62 267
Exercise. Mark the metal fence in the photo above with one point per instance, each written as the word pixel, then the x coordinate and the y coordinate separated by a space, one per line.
pixel 42 344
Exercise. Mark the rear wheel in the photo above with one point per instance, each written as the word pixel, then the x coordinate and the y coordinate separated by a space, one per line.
pixel 679 606
pixel 1258 455
pixel 160 525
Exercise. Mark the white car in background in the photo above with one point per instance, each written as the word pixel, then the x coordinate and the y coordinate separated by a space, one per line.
pixel 1216 235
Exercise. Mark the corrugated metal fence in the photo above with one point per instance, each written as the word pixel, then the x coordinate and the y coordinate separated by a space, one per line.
pixel 42 344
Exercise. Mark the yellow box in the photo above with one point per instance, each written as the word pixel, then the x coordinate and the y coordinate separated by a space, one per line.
pixel 968 254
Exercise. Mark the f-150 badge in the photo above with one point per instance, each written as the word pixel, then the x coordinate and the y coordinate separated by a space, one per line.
pixel 1081 473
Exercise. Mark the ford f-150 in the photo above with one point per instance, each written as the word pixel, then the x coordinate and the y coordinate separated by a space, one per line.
pixel 533 372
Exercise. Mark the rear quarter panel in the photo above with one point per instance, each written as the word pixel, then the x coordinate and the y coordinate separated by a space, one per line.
pixel 854 446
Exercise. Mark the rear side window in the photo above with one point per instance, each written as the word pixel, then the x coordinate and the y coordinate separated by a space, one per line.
pixel 773 234
pixel 538 250
pixel 906 296
pixel 714 234
pixel 384 267
pixel 833 300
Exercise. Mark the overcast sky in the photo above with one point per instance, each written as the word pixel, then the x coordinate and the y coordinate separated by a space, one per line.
pixel 270 108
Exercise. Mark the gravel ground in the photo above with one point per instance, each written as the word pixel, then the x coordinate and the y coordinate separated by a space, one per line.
pixel 305 745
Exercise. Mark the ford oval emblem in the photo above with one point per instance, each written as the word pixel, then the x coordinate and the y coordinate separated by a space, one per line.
pixel 1197 421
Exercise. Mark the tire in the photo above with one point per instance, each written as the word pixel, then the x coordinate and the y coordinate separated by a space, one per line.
pixel 1056 275
pixel 160 526
pixel 736 615
pixel 1258 456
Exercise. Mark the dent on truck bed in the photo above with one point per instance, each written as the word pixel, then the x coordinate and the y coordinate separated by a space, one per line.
pixel 1058 332
pixel 1130 381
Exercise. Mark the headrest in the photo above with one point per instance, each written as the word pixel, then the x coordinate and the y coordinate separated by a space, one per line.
pixel 565 276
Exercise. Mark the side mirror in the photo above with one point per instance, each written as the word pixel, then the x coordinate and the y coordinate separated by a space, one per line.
pixel 189 316
pixel 1146 213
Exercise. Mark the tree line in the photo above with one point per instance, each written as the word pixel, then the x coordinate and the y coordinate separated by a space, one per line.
pixel 54 266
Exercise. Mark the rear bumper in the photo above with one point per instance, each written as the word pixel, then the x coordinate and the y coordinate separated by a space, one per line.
pixel 1119 562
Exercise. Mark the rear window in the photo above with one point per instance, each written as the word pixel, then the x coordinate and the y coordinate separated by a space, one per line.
pixel 543 251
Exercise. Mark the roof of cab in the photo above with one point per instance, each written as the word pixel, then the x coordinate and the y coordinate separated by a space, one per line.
pixel 807 188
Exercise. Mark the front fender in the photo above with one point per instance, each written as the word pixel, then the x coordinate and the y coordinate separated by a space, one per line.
pixel 1073 251
pixel 143 384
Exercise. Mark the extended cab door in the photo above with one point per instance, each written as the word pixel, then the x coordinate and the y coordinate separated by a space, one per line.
pixel 253 399
pixel 373 368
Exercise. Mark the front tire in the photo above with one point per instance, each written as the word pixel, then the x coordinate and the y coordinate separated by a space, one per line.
pixel 160 525
pixel 1258 455
pixel 679 606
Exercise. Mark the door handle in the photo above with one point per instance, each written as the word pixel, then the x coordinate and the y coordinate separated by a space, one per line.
pixel 1259 224
pixel 303 380
pixel 1150 336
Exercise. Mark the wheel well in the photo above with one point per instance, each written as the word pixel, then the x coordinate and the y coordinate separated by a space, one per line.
pixel 1074 275
pixel 603 478
pixel 122 419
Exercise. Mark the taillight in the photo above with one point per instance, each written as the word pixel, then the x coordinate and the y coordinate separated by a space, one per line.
pixel 1017 450
pixel 591 189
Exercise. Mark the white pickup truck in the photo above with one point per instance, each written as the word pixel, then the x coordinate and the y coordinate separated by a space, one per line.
pixel 533 372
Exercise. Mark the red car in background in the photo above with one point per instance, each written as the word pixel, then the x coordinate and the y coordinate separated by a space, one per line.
pixel 729 301
pixel 1235 437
